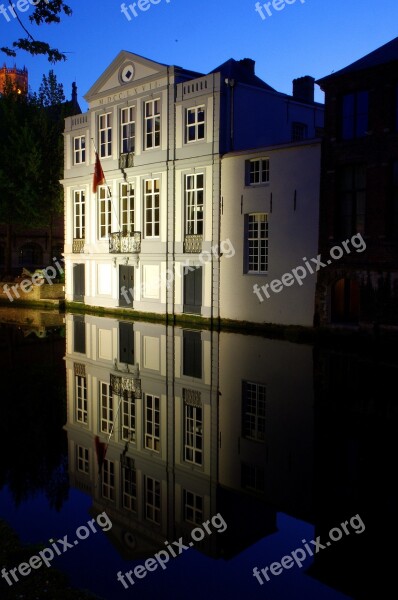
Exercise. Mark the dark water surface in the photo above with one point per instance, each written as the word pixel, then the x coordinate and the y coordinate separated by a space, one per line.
pixel 240 449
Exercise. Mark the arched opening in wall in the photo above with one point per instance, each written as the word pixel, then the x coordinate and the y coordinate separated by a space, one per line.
pixel 31 255
pixel 345 301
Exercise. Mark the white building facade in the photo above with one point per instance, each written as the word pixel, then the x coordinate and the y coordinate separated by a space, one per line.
pixel 148 239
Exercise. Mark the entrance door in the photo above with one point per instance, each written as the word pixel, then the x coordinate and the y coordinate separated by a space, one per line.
pixel 78 282
pixel 193 290
pixel 126 285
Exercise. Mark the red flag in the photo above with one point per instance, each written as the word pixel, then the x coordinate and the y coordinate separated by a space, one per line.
pixel 99 177
pixel 101 449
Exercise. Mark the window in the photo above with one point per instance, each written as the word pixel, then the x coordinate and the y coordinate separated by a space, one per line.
pixel 105 135
pixel 152 500
pixel 355 115
pixel 106 404
pixel 127 129
pixel 82 460
pixel 151 207
pixel 126 207
pixel 352 200
pixel 79 334
pixel 79 150
pixel 152 422
pixel 257 171
pixel 79 214
pixel 81 399
pixel 104 213
pixel 128 417
pixel 194 204
pixel 129 484
pixel 195 124
pixel 193 507
pixel 152 124
pixel 192 354
pixel 299 132
pixel 31 255
pixel 126 343
pixel 256 247
pixel 253 405
pixel 108 480
pixel 193 428
pixel 253 477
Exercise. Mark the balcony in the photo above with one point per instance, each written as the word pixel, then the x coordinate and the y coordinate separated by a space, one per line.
pixel 124 242
pixel 193 244
pixel 130 383
pixel 126 160
pixel 78 246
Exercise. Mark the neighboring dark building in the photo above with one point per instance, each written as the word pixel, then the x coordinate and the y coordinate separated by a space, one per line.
pixel 359 191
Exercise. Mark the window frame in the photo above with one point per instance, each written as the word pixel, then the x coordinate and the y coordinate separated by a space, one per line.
pixel 263 171
pixel 250 242
pixel 153 499
pixel 351 118
pixel 196 519
pixel 251 411
pixel 152 424
pixel 350 196
pixel 152 124
pixel 196 125
pixel 193 225
pixel 106 406
pixel 104 209
pixel 108 480
pixel 105 135
pixel 82 459
pixel 299 131
pixel 192 423
pixel 154 210
pixel 128 421
pixel 80 151
pixel 128 129
pixel 127 212
pixel 81 403
pixel 79 220
pixel 129 485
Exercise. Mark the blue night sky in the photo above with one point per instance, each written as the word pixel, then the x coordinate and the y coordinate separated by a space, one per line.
pixel 313 37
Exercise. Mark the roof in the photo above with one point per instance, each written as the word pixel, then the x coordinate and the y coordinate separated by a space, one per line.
pixel 239 70
pixel 383 55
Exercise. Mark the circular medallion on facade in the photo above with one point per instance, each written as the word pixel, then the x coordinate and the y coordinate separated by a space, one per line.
pixel 127 73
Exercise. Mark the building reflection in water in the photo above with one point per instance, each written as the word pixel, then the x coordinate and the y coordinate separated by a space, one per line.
pixel 194 421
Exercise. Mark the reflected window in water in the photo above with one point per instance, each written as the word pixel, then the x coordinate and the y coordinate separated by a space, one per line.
pixel 108 480
pixel 129 484
pixel 193 507
pixel 192 354
pixel 152 500
pixel 82 459
pixel 254 398
pixel 152 422
pixel 106 407
pixel 253 477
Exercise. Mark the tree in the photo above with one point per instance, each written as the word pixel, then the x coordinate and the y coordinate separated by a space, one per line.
pixel 31 158
pixel 46 11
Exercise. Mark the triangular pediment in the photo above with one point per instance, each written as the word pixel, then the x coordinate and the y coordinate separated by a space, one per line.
pixel 111 79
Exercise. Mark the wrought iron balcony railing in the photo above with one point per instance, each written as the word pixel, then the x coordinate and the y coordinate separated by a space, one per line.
pixel 126 160
pixel 126 383
pixel 78 246
pixel 193 244
pixel 125 242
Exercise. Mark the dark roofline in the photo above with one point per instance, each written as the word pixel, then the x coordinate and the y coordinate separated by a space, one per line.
pixel 387 53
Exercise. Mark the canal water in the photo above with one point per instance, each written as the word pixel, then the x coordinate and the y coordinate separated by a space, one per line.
pixel 155 460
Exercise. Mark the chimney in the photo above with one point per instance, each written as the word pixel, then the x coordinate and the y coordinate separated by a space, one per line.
pixel 303 89
pixel 248 64
pixel 74 94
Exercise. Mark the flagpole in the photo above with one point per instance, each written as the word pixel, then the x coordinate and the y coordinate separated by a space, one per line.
pixel 107 186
